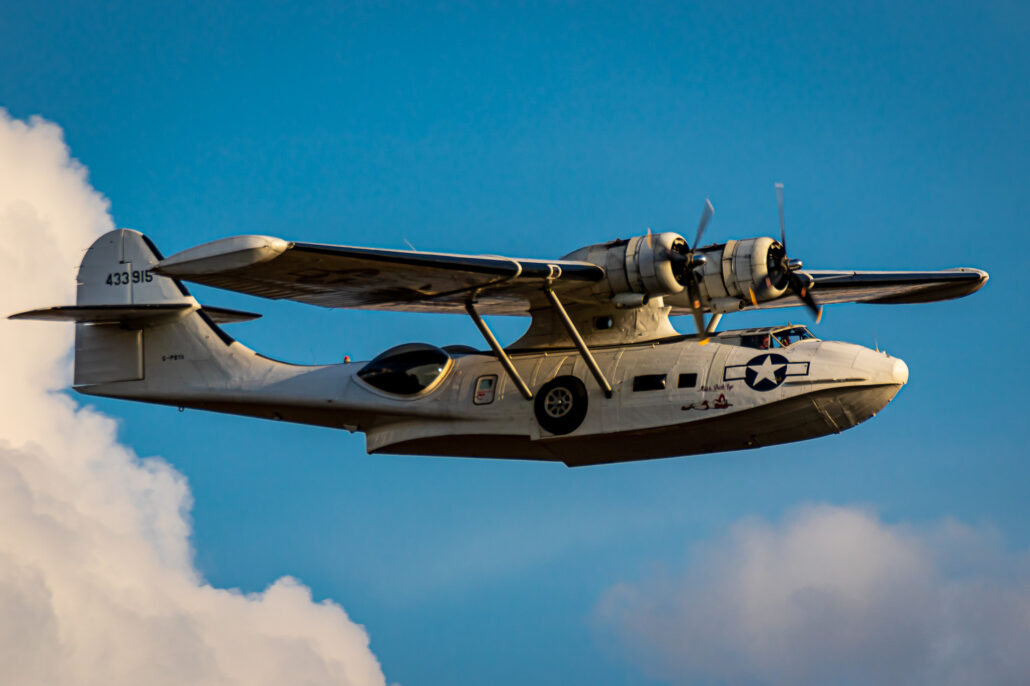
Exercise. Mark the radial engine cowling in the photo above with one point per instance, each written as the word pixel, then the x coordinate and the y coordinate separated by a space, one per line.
pixel 735 270
pixel 639 266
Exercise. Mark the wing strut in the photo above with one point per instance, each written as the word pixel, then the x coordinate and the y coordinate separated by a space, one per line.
pixel 491 340
pixel 580 344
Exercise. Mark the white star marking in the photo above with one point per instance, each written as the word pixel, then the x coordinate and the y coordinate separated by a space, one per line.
pixel 766 370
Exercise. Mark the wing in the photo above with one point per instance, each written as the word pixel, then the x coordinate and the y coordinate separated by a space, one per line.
pixel 377 279
pixel 410 281
pixel 832 287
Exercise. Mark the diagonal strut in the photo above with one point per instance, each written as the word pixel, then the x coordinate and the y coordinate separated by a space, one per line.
pixel 513 373
pixel 581 345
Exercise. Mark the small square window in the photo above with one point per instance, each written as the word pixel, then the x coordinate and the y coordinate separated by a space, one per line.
pixel 649 382
pixel 687 380
pixel 486 386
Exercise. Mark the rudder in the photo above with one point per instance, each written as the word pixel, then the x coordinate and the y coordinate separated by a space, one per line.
pixel 115 275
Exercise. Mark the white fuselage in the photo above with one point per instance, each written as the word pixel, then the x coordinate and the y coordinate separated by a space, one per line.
pixel 730 397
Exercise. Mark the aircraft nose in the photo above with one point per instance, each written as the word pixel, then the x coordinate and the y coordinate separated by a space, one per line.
pixel 879 378
pixel 881 368
pixel 899 372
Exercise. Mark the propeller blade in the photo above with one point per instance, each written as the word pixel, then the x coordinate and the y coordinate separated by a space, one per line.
pixel 649 237
pixel 801 287
pixel 699 321
pixel 813 306
pixel 695 308
pixel 779 203
pixel 706 216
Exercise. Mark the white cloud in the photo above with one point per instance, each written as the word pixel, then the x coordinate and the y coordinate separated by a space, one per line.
pixel 97 584
pixel 831 595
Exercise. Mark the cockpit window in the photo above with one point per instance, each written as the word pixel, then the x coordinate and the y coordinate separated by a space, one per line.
pixel 792 335
pixel 778 338
pixel 406 369
pixel 761 341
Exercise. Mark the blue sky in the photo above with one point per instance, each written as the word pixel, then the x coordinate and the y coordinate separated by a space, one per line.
pixel 899 130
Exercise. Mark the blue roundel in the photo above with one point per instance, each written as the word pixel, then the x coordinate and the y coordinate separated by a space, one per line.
pixel 765 372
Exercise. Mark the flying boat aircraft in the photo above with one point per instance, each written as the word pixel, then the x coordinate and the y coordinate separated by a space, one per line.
pixel 600 375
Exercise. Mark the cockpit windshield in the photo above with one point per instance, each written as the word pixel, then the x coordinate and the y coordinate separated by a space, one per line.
pixel 776 338
pixel 793 335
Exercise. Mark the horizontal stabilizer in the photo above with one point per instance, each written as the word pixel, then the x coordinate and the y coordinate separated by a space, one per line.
pixel 110 314
pixel 223 315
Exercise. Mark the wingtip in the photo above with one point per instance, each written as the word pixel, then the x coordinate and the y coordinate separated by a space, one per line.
pixel 983 277
pixel 224 254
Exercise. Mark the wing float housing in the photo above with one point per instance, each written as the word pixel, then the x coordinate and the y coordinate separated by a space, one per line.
pixel 226 254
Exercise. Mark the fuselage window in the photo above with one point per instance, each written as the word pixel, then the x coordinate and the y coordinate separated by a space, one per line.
pixel 649 382
pixel 407 369
pixel 687 380
pixel 485 388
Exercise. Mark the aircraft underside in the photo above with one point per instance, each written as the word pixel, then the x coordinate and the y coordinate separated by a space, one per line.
pixel 811 415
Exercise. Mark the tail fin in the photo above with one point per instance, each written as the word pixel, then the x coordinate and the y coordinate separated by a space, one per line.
pixel 115 274
pixel 119 298
pixel 116 270
pixel 116 285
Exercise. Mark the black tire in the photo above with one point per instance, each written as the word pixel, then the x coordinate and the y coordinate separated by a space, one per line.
pixel 561 405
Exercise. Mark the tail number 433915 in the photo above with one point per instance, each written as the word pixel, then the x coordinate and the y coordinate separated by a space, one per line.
pixel 125 278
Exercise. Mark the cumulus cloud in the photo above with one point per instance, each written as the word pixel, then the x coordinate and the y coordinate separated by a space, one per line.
pixel 831 595
pixel 97 584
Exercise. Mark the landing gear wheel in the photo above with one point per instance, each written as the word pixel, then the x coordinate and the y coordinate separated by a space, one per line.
pixel 561 405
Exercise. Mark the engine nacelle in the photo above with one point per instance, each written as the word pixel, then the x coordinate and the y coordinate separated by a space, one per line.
pixel 738 268
pixel 637 265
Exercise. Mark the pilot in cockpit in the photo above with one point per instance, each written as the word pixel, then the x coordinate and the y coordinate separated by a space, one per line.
pixel 798 333
pixel 761 341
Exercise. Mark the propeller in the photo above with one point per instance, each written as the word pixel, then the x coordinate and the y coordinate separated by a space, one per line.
pixel 790 270
pixel 685 262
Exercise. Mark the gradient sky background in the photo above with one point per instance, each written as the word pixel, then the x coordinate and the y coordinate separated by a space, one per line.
pixel 900 132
